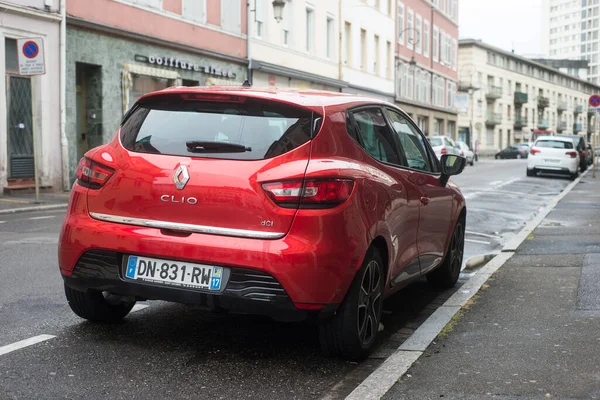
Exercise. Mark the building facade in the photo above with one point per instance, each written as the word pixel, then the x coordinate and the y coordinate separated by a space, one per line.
pixel 513 99
pixel 570 30
pixel 367 59
pixel 427 63
pixel 29 105
pixel 301 50
pixel 119 50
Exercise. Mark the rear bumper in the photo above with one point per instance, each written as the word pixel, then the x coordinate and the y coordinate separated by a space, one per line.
pixel 314 263
pixel 564 166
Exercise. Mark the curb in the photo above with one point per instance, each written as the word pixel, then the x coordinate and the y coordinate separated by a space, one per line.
pixel 34 208
pixel 380 381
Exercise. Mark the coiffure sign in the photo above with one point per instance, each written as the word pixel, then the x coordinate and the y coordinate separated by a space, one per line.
pixel 184 65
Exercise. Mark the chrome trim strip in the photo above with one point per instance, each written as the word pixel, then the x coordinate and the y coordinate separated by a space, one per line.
pixel 210 230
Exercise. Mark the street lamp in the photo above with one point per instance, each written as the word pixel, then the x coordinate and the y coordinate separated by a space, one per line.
pixel 278 6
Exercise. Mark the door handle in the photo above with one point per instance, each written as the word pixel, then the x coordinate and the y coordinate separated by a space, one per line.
pixel 425 200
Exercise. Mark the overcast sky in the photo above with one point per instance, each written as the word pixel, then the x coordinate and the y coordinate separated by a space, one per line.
pixel 503 23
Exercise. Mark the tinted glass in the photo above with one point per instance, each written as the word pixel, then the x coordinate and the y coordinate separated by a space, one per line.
pixel 435 141
pixel 554 144
pixel 411 141
pixel 375 136
pixel 170 124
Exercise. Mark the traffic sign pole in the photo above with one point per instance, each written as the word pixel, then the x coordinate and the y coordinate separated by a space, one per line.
pixel 31 63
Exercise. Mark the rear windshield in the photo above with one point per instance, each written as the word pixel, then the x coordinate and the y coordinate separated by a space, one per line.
pixel 554 144
pixel 435 141
pixel 250 130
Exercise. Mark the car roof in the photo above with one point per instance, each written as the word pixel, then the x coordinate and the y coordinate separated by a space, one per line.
pixel 303 97
pixel 559 138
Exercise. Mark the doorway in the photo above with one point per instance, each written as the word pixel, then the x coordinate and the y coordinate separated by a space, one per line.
pixel 89 107
pixel 20 127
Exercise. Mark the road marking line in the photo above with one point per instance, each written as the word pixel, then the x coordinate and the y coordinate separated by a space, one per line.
pixel 24 343
pixel 482 234
pixel 496 183
pixel 15 201
pixel 138 307
pixel 2 222
pixel 44 217
pixel 477 241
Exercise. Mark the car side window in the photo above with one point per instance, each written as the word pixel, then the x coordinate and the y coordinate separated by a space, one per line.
pixel 375 136
pixel 411 141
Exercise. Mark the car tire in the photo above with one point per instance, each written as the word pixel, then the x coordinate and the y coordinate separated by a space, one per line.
pixel 531 172
pixel 583 167
pixel 574 176
pixel 94 306
pixel 351 333
pixel 472 163
pixel 519 156
pixel 446 275
pixel 497 157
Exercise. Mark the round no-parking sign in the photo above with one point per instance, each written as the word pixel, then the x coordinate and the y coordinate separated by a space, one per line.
pixel 31 56
pixel 594 101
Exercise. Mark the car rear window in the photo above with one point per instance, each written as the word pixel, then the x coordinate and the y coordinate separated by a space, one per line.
pixel 435 141
pixel 554 144
pixel 249 129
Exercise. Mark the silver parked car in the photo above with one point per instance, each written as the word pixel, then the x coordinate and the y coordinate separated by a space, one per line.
pixel 466 152
pixel 443 145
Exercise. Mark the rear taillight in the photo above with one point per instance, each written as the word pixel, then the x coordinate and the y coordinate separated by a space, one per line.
pixel 320 193
pixel 534 151
pixel 462 153
pixel 443 150
pixel 573 154
pixel 92 174
pixel 582 153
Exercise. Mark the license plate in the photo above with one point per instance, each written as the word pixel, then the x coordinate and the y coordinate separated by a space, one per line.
pixel 552 161
pixel 175 273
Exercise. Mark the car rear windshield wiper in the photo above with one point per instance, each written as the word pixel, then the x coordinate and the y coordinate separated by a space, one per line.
pixel 216 147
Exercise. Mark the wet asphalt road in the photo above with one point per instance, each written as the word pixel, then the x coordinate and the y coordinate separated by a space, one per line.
pixel 171 351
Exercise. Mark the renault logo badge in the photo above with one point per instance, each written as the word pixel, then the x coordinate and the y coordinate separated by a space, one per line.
pixel 181 177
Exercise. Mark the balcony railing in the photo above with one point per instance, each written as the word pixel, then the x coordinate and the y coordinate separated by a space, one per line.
pixel 493 119
pixel 543 124
pixel 521 98
pixel 561 126
pixel 520 122
pixel 543 102
pixel 561 106
pixel 493 92
pixel 578 109
pixel 577 128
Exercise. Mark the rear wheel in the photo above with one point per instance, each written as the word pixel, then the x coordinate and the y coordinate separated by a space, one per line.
pixel 352 331
pixel 97 306
pixel 497 157
pixel 472 162
pixel 530 172
pixel 574 176
pixel 446 275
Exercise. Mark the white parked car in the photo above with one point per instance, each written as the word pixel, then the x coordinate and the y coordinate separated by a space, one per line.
pixel 553 154
pixel 466 152
pixel 443 145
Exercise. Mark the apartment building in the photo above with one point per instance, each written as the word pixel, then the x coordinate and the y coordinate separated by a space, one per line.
pixel 514 99
pixel 29 104
pixel 570 31
pixel 300 50
pixel 119 50
pixel 427 63
pixel 368 47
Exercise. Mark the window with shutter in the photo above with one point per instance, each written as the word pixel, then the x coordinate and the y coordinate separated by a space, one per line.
pixel 195 10
pixel 231 16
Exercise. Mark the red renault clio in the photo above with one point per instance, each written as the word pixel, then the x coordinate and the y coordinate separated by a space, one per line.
pixel 299 205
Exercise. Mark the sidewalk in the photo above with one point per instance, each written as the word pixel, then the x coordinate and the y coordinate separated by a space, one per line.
pixel 533 331
pixel 26 202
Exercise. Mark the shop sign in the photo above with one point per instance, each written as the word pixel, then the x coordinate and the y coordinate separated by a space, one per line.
pixel 176 63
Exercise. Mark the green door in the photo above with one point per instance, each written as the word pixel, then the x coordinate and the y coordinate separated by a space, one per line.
pixel 20 132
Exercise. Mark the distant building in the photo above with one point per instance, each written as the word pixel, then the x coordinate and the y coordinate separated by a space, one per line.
pixel 19 118
pixel 570 32
pixel 427 63
pixel 578 68
pixel 515 98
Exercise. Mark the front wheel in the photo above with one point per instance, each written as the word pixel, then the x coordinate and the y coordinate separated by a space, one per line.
pixel 352 331
pixel 446 275
pixel 97 306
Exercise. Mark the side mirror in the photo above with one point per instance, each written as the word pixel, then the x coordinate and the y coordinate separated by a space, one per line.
pixel 451 165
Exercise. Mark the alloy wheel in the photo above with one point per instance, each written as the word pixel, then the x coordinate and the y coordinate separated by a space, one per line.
pixel 369 303
pixel 457 248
